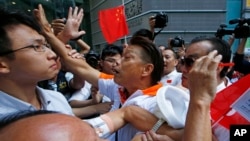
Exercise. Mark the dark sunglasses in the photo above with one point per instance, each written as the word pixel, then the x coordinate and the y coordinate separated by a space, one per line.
pixel 188 62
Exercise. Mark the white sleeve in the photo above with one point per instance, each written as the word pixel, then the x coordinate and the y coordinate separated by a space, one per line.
pixel 82 94
pixel 69 76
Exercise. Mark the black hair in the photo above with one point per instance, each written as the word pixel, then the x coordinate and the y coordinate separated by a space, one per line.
pixel 221 46
pixel 176 56
pixel 150 54
pixel 13 117
pixel 12 18
pixel 92 58
pixel 111 50
pixel 144 33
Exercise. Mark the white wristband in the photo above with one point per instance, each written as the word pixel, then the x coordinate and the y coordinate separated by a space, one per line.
pixel 158 125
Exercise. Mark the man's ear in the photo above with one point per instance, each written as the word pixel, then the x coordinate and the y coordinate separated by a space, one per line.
pixel 4 68
pixel 176 61
pixel 148 69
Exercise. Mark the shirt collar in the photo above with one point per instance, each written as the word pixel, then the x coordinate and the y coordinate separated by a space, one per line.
pixel 45 101
pixel 151 91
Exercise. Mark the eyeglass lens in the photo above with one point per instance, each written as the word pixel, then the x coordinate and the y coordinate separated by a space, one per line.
pixel 188 62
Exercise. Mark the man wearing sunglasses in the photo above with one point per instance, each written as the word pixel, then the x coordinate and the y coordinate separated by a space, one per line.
pixel 200 47
pixel 25 60
pixel 132 61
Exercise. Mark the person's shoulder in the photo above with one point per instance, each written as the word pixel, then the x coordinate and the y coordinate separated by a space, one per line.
pixel 49 93
pixel 53 100
pixel 104 81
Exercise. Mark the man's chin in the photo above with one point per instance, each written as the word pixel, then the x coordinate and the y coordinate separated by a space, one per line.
pixel 53 75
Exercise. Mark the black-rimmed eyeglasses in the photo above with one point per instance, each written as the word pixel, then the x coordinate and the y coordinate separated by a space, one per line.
pixel 37 48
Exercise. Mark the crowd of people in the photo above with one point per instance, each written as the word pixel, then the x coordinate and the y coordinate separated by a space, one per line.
pixel 138 91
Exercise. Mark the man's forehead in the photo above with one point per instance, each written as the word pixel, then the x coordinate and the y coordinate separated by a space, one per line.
pixel 25 34
pixel 168 51
pixel 197 50
pixel 131 48
pixel 193 55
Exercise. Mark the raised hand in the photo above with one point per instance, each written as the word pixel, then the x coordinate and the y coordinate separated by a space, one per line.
pixel 96 96
pixel 58 25
pixel 71 29
pixel 202 77
pixel 74 53
pixel 102 108
pixel 41 19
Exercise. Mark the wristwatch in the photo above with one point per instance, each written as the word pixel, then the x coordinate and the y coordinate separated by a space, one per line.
pixel 158 125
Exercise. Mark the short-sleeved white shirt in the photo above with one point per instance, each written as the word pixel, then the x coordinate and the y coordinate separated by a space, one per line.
pixel 109 88
pixel 82 94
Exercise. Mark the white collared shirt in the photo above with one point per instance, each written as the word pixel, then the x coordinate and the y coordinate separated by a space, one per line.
pixel 173 78
pixel 50 100
pixel 138 98
pixel 221 133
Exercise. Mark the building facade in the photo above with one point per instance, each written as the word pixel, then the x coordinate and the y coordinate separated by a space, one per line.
pixel 187 18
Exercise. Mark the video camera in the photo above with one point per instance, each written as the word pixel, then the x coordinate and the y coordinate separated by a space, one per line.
pixel 161 20
pixel 242 30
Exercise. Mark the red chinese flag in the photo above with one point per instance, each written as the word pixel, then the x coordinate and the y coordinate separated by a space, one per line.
pixel 223 109
pixel 113 23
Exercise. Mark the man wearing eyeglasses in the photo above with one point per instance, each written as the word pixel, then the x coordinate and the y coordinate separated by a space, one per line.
pixel 25 59
pixel 202 93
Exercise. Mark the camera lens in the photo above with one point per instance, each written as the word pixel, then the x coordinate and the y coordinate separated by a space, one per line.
pixel 177 42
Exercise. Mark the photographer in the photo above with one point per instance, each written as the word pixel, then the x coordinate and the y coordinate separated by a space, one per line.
pixel 241 65
pixel 178 45
pixel 160 20
pixel 242 32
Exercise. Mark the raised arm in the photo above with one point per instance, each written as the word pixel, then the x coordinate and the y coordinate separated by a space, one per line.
pixel 83 46
pixel 76 66
pixel 202 84
pixel 151 22
pixel 241 65
pixel 241 47
pixel 58 27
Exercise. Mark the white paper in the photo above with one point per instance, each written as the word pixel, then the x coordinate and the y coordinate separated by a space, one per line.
pixel 242 104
